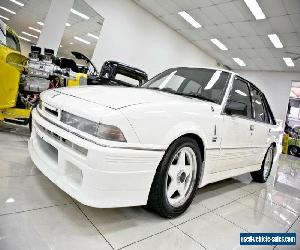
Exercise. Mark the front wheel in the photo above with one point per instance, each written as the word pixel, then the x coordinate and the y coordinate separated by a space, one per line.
pixel 176 178
pixel 263 174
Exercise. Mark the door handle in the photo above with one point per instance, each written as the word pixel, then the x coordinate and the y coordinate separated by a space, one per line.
pixel 251 127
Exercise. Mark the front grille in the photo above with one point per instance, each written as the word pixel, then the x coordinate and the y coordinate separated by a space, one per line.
pixel 64 141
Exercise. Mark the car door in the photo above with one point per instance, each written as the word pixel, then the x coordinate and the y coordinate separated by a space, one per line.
pixel 236 141
pixel 262 127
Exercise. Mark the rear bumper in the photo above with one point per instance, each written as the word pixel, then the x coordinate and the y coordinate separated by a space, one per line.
pixel 94 175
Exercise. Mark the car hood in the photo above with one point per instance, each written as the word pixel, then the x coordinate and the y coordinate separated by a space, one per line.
pixel 119 97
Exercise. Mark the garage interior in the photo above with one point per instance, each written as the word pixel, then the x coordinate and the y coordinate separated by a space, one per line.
pixel 153 36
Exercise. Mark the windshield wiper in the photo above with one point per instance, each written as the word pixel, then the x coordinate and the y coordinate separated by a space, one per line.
pixel 172 91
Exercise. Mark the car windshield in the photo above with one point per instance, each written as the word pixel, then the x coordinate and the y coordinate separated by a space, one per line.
pixel 205 84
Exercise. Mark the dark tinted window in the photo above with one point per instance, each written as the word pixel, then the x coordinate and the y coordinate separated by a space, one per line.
pixel 12 41
pixel 239 101
pixel 259 109
pixel 207 83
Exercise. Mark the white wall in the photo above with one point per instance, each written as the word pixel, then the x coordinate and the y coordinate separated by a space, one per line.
pixel 133 36
pixel 25 48
pixel 275 85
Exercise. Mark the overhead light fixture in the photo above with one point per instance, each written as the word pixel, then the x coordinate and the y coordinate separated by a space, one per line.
pixel 255 9
pixel 289 62
pixel 4 17
pixel 40 23
pixel 71 43
pixel 68 25
pixel 240 92
pixel 24 38
pixel 80 14
pixel 8 10
pixel 93 36
pixel 60 46
pixel 187 17
pixel 218 44
pixel 239 61
pixel 275 40
pixel 81 40
pixel 34 29
pixel 28 34
pixel 17 2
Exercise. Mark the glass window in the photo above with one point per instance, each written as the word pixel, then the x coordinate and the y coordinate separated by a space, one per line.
pixel 239 101
pixel 12 41
pixel 207 84
pixel 259 111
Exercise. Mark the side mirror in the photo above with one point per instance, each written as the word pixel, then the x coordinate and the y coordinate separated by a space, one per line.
pixel 235 108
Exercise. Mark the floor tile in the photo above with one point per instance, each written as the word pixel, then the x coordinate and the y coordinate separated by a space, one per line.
pixel 171 239
pixel 60 228
pixel 12 168
pixel 296 227
pixel 29 192
pixel 270 209
pixel 213 232
pixel 250 219
pixel 122 226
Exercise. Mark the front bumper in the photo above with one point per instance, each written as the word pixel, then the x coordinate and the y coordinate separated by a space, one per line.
pixel 94 175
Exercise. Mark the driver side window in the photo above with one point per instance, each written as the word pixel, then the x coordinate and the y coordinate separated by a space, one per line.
pixel 239 100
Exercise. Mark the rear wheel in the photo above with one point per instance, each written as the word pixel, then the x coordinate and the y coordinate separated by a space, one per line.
pixel 293 150
pixel 266 167
pixel 176 178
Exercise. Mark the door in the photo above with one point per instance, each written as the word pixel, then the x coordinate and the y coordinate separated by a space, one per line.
pixel 262 126
pixel 236 142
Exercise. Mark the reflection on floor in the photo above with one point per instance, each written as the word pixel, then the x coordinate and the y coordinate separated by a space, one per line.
pixel 35 214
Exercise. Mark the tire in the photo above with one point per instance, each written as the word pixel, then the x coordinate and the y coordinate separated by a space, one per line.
pixel 170 175
pixel 262 175
pixel 293 150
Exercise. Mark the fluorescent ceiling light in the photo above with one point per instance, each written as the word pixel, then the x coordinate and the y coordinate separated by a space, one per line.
pixel 93 36
pixel 80 14
pixel 4 17
pixel 40 23
pixel 17 2
pixel 34 29
pixel 71 43
pixel 219 44
pixel 60 46
pixel 187 17
pixel 255 9
pixel 28 34
pixel 275 40
pixel 68 25
pixel 8 10
pixel 24 38
pixel 240 92
pixel 239 61
pixel 289 62
pixel 81 40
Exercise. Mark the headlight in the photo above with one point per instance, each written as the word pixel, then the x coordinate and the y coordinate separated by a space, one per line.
pixel 103 131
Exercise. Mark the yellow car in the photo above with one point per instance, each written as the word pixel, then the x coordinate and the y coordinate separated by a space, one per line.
pixel 12 64
pixel 22 79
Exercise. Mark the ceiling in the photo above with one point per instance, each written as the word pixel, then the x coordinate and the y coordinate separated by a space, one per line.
pixel 234 25
pixel 36 10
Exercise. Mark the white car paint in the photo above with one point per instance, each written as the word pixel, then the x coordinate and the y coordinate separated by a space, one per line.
pixel 115 174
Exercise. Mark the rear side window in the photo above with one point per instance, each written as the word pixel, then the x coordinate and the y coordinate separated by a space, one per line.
pixel 239 100
pixel 259 110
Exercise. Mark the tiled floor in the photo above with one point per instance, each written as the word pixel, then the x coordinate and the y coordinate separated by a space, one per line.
pixel 35 214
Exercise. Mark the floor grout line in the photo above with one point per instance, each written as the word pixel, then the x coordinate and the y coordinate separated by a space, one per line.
pixel 93 224
pixel 150 236
pixel 34 209
pixel 17 176
pixel 192 238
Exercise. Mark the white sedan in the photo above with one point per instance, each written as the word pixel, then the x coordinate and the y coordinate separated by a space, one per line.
pixel 118 146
